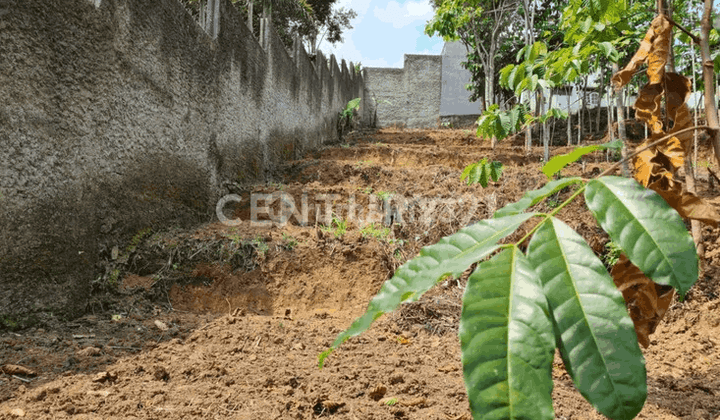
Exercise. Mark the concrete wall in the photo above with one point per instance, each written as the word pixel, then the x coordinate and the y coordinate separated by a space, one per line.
pixel 454 100
pixel 118 115
pixel 407 97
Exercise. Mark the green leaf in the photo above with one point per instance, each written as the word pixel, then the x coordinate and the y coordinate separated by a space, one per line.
pixel 507 341
pixel 452 255
pixel 353 104
pixel 533 82
pixel 506 123
pixel 476 173
pixel 650 232
pixel 606 48
pixel 558 162
pixel 505 75
pixel 533 197
pixel 466 172
pixel 484 174
pixel 596 336
pixel 496 169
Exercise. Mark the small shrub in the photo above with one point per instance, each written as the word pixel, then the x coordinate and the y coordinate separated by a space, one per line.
pixel 481 172
pixel 380 232
pixel 338 227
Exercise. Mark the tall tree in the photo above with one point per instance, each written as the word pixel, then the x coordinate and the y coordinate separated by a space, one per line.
pixel 482 25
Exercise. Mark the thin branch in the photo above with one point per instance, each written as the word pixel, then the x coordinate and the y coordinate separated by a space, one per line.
pixel 694 37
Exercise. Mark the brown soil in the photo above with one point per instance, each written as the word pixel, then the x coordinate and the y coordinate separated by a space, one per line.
pixel 227 322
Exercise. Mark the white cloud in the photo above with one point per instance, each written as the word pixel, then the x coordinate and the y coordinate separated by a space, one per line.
pixel 360 6
pixel 381 38
pixel 404 15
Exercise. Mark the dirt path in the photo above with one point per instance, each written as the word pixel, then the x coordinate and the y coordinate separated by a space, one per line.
pixel 227 322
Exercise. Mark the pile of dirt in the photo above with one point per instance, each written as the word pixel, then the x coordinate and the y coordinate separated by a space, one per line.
pixel 227 321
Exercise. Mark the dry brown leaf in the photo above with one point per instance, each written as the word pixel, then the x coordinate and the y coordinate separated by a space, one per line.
pixel 647 302
pixel 643 165
pixel 658 56
pixel 648 109
pixel 17 370
pixel 689 205
pixel 670 155
pixel 657 40
pixel 677 92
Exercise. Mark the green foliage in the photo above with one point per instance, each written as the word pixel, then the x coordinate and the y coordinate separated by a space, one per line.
pixel 500 124
pixel 136 239
pixel 8 323
pixel 289 242
pixel 555 164
pixel 346 116
pixel 481 172
pixel 338 227
pixel 650 232
pixel 519 306
pixel 384 195
pixel 613 254
pixel 378 232
pixel 260 245
pixel 533 197
pixel 504 309
pixel 584 301
pixel 351 106
pixel 553 113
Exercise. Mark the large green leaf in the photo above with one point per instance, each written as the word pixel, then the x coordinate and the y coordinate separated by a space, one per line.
pixel 555 164
pixel 450 256
pixel 596 336
pixel 533 197
pixel 507 341
pixel 646 228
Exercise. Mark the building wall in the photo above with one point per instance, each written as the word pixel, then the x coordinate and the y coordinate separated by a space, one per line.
pixel 119 115
pixel 407 97
pixel 455 98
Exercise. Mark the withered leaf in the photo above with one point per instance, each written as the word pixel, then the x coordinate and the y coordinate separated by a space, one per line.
pixel 658 56
pixel 677 92
pixel 670 154
pixel 648 109
pixel 653 48
pixel 643 165
pixel 687 204
pixel 647 302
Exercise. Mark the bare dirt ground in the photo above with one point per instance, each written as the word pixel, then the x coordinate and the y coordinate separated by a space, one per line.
pixel 226 322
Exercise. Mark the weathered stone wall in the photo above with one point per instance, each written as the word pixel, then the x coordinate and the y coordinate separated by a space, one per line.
pixel 117 115
pixel 408 97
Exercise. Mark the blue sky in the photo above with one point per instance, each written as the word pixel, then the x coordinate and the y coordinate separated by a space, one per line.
pixel 384 31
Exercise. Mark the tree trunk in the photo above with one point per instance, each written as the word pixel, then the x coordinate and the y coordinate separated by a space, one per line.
pixel 490 79
pixel 546 133
pixel 528 137
pixel 711 111
pixel 693 60
pixel 569 118
pixel 580 115
pixel 600 96
pixel 621 125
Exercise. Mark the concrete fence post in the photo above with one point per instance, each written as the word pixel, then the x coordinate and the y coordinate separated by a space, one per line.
pixel 211 18
pixel 250 15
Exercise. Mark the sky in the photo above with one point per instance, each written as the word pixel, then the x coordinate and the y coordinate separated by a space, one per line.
pixel 384 31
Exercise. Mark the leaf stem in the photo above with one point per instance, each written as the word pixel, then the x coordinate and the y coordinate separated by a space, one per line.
pixel 653 144
pixel 551 214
